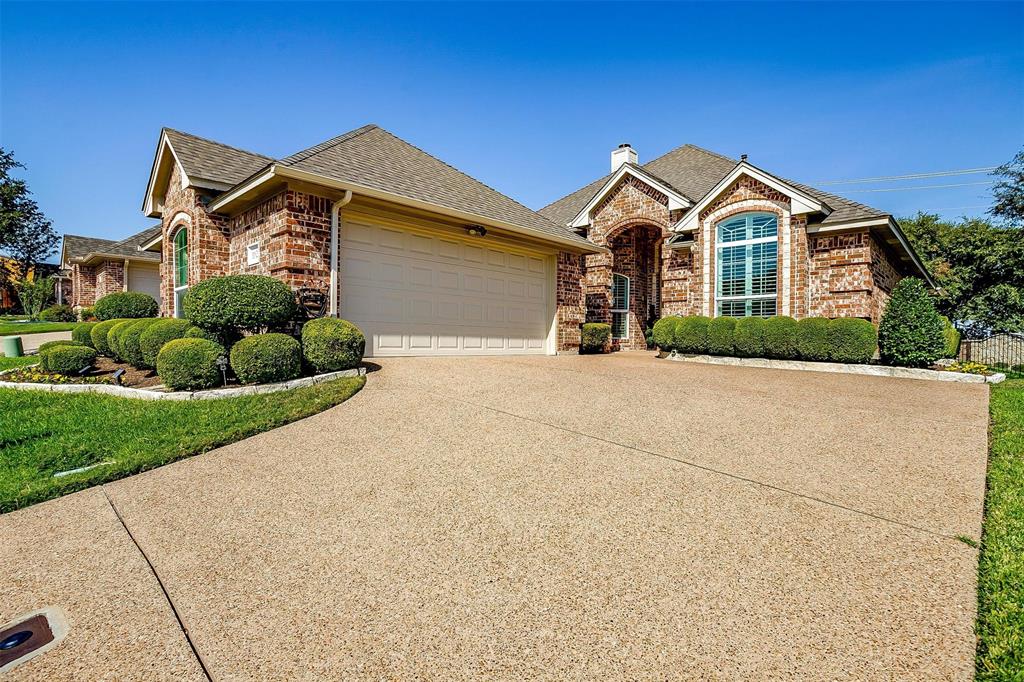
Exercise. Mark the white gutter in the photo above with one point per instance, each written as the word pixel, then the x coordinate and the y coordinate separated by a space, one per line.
pixel 336 207
pixel 472 218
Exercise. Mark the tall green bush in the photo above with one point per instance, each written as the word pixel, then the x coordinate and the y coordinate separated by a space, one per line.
pixel 126 304
pixel 780 337
pixel 253 303
pixel 951 339
pixel 910 333
pixel 691 334
pixel 852 340
pixel 721 331
pixel 812 338
pixel 664 332
pixel 749 337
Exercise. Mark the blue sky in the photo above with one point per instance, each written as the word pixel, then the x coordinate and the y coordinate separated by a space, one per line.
pixel 529 98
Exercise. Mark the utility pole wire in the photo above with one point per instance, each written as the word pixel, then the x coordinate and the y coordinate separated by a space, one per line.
pixel 911 176
pixel 903 189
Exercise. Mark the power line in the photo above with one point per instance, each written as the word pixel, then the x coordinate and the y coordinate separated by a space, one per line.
pixel 911 176
pixel 903 189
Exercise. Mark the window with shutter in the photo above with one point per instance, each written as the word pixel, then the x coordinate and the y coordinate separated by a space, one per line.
pixel 747 265
pixel 620 306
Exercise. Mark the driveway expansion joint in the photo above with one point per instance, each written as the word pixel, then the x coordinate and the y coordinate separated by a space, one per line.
pixel 702 467
pixel 163 588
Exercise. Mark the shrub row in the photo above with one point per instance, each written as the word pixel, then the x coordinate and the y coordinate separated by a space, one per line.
pixel 851 340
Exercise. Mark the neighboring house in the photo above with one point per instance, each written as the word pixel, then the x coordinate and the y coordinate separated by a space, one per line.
pixel 10 271
pixel 428 261
pixel 97 267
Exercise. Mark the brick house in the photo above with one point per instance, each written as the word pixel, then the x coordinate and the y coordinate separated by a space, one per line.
pixel 96 267
pixel 427 260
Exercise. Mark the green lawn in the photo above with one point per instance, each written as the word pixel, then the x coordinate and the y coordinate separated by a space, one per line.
pixel 10 363
pixel 13 328
pixel 1001 566
pixel 45 433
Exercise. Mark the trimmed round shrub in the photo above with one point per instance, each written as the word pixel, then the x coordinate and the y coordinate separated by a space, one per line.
pixel 115 336
pixel 126 304
pixel 812 338
pixel 721 331
pixel 595 337
pixel 53 344
pixel 851 339
pixel 331 345
pixel 951 339
pixel 58 313
pixel 251 303
pixel 83 333
pixel 157 334
pixel 691 334
pixel 99 335
pixel 131 348
pixel 189 364
pixel 266 358
pixel 749 337
pixel 910 334
pixel 67 359
pixel 665 331
pixel 780 337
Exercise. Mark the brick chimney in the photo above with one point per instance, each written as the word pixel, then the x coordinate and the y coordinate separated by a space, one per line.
pixel 623 154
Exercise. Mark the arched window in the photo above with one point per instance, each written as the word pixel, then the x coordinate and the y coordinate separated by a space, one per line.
pixel 180 268
pixel 747 265
pixel 620 306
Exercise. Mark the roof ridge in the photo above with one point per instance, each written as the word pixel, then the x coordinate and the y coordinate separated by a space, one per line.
pixel 691 146
pixel 310 152
pixel 462 172
pixel 215 142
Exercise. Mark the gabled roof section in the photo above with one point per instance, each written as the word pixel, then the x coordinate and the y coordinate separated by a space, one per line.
pixel 676 199
pixel 373 162
pixel 79 248
pixel 801 201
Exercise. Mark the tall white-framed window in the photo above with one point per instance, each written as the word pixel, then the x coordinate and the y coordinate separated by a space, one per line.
pixel 747 265
pixel 180 268
pixel 620 306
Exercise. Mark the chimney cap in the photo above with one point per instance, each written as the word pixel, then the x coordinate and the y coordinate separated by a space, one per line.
pixel 625 145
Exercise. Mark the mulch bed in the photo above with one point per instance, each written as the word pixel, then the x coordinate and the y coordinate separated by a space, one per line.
pixel 132 377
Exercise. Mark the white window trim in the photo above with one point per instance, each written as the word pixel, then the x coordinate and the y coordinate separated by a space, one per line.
pixel 719 245
pixel 174 268
pixel 629 285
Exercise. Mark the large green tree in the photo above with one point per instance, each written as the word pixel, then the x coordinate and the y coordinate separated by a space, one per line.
pixel 25 233
pixel 1009 191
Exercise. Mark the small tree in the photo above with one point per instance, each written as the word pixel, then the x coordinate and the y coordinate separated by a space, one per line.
pixel 34 293
pixel 25 233
pixel 910 333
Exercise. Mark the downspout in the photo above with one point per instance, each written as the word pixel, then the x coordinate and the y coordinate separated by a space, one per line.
pixel 124 284
pixel 335 219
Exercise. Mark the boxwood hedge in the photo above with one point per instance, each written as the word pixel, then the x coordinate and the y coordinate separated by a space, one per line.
pixel 116 335
pixel 266 358
pixel 82 333
pixel 664 332
pixel 160 332
pixel 691 334
pixel 253 303
pixel 749 337
pixel 812 338
pixel 595 337
pixel 100 335
pixel 131 341
pixel 66 358
pixel 330 344
pixel 721 331
pixel 852 340
pixel 126 304
pixel 780 337
pixel 189 364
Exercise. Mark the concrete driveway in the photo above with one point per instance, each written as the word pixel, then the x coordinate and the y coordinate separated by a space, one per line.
pixel 564 518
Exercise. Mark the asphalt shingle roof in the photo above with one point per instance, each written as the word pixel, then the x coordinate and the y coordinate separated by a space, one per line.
pixel 695 172
pixel 209 160
pixel 76 246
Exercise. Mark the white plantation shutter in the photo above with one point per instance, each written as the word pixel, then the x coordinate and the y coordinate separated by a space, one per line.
pixel 747 265
pixel 620 306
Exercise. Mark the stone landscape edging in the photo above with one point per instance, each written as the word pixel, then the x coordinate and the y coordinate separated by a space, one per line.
pixel 156 394
pixel 839 368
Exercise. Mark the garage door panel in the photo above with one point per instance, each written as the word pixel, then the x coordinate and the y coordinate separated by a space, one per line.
pixel 418 294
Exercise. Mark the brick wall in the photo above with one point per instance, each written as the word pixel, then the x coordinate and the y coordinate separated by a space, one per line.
pixel 570 301
pixel 83 285
pixel 851 275
pixel 109 278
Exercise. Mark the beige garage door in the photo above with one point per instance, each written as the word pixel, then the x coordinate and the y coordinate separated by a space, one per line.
pixel 144 278
pixel 414 293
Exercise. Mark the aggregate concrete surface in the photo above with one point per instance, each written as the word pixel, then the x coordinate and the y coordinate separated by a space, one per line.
pixel 575 517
